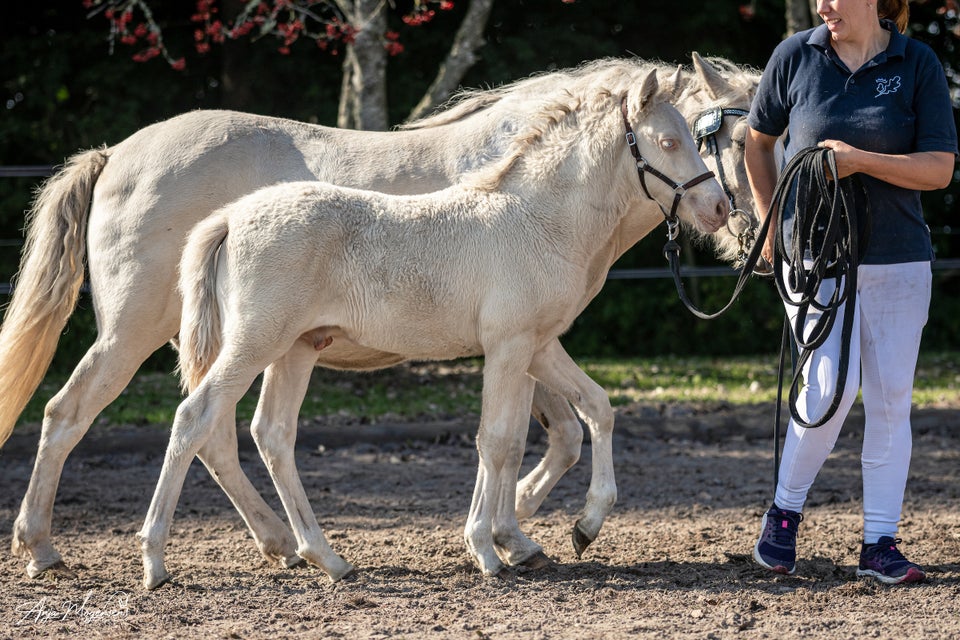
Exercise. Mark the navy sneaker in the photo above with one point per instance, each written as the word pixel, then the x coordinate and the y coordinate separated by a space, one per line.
pixel 777 547
pixel 884 562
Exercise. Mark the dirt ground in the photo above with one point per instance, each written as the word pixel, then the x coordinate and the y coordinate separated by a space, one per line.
pixel 673 560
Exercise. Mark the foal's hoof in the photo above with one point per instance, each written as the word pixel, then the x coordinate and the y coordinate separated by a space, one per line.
pixel 155 582
pixel 292 562
pixel 58 570
pixel 537 561
pixel 580 539
pixel 342 572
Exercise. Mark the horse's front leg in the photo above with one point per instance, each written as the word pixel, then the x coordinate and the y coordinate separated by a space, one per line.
pixel 555 369
pixel 492 522
pixel 274 429
pixel 564 439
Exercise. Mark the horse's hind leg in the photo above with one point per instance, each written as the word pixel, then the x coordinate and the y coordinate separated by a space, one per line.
pixel 274 429
pixel 565 436
pixel 103 372
pixel 554 368
pixel 98 379
pixel 196 417
pixel 219 455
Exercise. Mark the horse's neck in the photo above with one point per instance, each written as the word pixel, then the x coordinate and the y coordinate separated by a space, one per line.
pixel 595 212
pixel 406 162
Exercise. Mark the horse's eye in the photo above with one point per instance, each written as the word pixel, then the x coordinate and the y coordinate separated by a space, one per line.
pixel 668 144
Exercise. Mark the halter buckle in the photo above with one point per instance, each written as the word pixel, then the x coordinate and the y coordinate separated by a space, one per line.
pixel 673 228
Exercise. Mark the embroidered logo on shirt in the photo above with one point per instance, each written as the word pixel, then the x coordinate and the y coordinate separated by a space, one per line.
pixel 887 86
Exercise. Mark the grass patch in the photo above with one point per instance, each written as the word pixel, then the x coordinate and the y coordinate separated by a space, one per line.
pixel 437 391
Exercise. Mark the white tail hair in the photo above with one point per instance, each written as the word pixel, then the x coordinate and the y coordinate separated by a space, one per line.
pixel 200 329
pixel 48 283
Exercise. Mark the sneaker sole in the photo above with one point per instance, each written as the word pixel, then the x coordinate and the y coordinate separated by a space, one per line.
pixel 912 575
pixel 779 568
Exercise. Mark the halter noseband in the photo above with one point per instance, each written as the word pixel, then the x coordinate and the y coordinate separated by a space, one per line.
pixel 643 167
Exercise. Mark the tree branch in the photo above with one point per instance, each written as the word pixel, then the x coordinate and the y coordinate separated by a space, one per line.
pixel 462 56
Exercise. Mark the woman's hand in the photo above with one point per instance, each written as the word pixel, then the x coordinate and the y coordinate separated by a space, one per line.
pixel 845 155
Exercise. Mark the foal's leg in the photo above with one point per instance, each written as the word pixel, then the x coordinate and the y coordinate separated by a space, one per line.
pixel 210 404
pixel 555 369
pixel 219 455
pixel 492 521
pixel 274 429
pixel 103 372
pixel 565 436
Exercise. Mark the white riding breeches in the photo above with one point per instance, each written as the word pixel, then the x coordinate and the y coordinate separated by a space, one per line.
pixel 890 312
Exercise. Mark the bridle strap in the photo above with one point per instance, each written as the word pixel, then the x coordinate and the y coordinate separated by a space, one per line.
pixel 714 149
pixel 643 168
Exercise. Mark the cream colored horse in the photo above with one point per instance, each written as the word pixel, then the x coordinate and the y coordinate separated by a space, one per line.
pixel 308 273
pixel 149 190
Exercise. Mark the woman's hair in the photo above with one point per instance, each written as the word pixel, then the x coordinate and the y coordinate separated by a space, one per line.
pixel 896 10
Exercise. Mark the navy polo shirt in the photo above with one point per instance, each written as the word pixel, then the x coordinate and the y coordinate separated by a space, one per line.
pixel 896 103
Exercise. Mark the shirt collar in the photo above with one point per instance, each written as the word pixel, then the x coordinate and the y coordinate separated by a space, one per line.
pixel 820 38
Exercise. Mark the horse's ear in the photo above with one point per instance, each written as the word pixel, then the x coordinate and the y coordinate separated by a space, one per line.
pixel 648 89
pixel 676 81
pixel 712 80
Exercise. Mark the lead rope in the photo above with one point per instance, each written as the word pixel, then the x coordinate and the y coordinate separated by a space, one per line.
pixel 825 245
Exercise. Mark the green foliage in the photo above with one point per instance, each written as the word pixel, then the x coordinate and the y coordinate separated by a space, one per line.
pixel 441 391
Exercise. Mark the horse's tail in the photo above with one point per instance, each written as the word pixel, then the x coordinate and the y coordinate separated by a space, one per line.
pixel 48 283
pixel 200 328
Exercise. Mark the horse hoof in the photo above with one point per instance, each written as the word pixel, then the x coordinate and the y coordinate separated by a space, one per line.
pixel 537 561
pixel 506 574
pixel 155 582
pixel 58 569
pixel 292 561
pixel 580 540
pixel 345 571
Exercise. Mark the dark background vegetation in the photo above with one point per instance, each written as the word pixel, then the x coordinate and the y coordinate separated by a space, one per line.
pixel 62 91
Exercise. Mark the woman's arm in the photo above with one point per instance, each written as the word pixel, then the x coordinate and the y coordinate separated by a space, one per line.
pixel 760 162
pixel 923 171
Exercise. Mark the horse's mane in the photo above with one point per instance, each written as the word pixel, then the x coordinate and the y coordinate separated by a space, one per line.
pixel 543 85
pixel 589 92
pixel 466 102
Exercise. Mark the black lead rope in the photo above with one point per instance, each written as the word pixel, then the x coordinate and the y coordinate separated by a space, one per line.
pixel 825 244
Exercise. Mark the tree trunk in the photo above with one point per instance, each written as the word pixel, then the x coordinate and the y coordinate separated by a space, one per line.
pixel 462 56
pixel 363 94
pixel 801 14
pixel 363 103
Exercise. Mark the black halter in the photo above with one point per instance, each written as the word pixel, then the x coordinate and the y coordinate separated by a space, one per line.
pixel 643 167
pixel 705 128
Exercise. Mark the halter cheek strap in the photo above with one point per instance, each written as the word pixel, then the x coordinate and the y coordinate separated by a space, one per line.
pixel 705 130
pixel 643 168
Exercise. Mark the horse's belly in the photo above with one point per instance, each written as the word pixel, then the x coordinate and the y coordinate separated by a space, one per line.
pixel 338 350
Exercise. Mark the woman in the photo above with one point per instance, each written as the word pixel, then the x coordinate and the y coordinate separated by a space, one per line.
pixel 879 100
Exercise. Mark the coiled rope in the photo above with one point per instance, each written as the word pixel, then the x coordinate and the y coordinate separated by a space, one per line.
pixel 824 244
